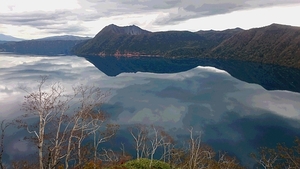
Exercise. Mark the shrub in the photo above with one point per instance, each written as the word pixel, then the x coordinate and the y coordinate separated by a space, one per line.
pixel 145 163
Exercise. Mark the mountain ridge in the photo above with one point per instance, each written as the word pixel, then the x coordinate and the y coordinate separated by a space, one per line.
pixel 53 45
pixel 63 37
pixel 273 44
pixel 128 30
pixel 4 38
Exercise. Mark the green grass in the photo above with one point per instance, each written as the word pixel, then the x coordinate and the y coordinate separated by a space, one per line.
pixel 145 163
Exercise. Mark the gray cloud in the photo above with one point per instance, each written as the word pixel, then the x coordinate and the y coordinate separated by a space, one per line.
pixel 66 29
pixel 36 18
pixel 57 22
pixel 50 22
pixel 196 9
pixel 182 9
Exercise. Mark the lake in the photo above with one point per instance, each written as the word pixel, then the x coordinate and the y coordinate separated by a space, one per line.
pixel 227 100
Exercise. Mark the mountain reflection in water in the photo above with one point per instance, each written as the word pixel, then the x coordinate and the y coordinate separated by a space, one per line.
pixel 271 77
pixel 235 116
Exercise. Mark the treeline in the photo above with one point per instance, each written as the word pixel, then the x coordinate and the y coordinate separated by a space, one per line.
pixel 71 130
pixel 158 43
pixel 273 44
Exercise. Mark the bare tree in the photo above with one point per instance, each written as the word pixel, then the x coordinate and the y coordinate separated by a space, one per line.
pixel 225 162
pixel 148 140
pixel 197 154
pixel 58 139
pixel 168 144
pixel 101 136
pixel 59 134
pixel 280 157
pixel 155 142
pixel 178 156
pixel 44 105
pixel 87 120
pixel 140 136
pixel 289 156
pixel 267 157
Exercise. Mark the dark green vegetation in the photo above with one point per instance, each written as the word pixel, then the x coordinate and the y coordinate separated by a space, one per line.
pixel 144 163
pixel 114 40
pixel 274 44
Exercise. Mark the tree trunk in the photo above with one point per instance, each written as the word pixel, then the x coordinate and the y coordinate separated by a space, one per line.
pixel 57 143
pixel 79 152
pixel 68 151
pixel 41 141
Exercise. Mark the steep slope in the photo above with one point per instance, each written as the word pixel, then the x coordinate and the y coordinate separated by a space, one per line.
pixel 134 41
pixel 219 36
pixel 274 44
pixel 128 30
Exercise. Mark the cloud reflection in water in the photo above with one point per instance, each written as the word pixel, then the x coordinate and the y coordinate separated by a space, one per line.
pixel 229 111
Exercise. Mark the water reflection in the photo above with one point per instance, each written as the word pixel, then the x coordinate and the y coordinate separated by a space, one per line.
pixel 269 76
pixel 234 115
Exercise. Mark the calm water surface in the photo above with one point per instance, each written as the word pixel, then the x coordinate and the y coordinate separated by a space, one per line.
pixel 231 106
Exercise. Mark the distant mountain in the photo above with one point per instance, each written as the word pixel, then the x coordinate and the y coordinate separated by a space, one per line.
pixel 9 38
pixel 134 41
pixel 274 44
pixel 128 30
pixel 55 45
pixel 40 47
pixel 64 37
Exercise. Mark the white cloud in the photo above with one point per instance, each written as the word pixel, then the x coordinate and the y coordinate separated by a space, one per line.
pixel 146 89
pixel 280 102
pixel 18 6
pixel 87 17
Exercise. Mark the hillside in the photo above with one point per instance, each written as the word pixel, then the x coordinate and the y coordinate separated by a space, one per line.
pixel 273 44
pixel 128 30
pixel 123 41
pixel 219 36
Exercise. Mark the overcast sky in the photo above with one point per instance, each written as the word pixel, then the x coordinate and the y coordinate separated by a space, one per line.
pixel 31 19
